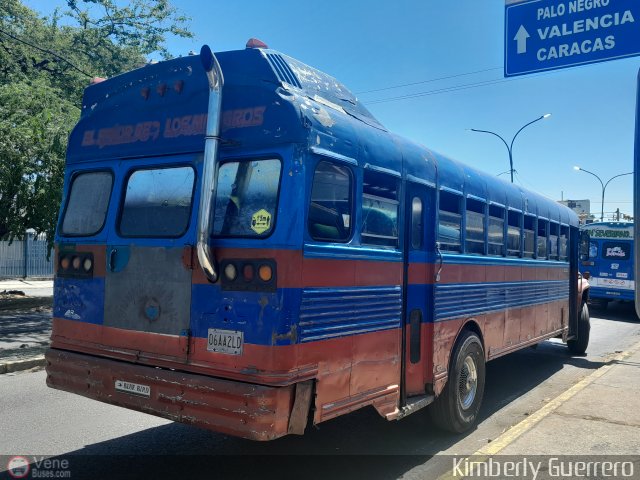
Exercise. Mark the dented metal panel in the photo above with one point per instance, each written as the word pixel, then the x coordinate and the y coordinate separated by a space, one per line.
pixel 235 408
pixel 151 292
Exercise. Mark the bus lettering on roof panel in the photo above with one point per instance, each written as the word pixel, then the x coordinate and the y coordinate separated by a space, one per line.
pixel 611 233
pixel 157 109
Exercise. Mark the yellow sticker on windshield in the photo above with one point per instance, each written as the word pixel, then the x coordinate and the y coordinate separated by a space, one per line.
pixel 261 221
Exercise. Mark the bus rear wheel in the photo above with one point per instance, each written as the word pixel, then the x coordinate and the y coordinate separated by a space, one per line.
pixel 579 345
pixel 457 406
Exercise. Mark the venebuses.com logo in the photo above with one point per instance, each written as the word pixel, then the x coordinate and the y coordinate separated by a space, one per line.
pixel 20 466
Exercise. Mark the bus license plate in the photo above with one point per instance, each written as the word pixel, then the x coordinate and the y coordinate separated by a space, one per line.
pixel 133 388
pixel 225 341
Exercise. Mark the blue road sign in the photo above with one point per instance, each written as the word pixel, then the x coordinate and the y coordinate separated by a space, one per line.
pixel 549 34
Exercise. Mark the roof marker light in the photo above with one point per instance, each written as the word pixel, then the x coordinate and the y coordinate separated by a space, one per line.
pixel 145 92
pixel 178 86
pixel 161 89
pixel 255 43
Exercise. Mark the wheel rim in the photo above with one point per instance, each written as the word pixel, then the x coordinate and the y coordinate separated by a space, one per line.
pixel 467 383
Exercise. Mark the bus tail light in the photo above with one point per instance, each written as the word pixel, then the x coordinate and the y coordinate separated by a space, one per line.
pixel 87 265
pixel 249 275
pixel 230 272
pixel 248 272
pixel 75 265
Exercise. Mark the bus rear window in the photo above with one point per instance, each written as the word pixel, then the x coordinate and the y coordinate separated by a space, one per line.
pixel 157 202
pixel 87 205
pixel 246 198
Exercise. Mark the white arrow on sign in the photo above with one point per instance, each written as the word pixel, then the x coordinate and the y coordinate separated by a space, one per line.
pixel 521 38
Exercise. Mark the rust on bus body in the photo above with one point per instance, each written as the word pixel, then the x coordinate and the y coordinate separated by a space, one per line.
pixel 245 410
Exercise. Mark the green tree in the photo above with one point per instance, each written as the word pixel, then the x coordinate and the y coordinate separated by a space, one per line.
pixel 45 64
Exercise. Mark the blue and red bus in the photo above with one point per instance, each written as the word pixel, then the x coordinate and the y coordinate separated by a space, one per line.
pixel 610 263
pixel 243 247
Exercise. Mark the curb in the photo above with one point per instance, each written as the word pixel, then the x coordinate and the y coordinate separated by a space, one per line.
pixel 18 365
pixel 9 304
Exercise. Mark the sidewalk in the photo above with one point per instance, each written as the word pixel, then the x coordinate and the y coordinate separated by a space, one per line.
pixel 31 288
pixel 603 418
pixel 25 321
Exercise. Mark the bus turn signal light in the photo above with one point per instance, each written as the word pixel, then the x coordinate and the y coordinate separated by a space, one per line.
pixel 265 273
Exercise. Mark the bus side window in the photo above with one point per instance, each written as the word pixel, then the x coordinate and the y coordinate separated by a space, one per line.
pixel 496 230
pixel 449 222
pixel 543 226
pixel 474 229
pixel 553 240
pixel 379 209
pixel 417 224
pixel 513 233
pixel 564 243
pixel 330 207
pixel 529 236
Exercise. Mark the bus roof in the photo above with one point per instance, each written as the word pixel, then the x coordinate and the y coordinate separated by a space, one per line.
pixel 270 98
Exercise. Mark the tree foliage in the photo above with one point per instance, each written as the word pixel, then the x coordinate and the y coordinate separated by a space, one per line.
pixel 45 64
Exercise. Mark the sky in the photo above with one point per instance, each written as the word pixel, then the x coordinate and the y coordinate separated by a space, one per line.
pixel 444 49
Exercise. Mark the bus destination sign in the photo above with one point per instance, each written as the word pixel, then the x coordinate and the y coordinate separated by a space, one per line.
pixel 545 35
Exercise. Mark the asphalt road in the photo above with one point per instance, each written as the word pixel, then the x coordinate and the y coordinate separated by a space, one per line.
pixel 36 420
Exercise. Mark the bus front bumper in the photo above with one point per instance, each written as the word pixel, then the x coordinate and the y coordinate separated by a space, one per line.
pixel 245 410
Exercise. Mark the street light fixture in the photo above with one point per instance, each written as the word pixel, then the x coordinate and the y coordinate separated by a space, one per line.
pixel 604 185
pixel 510 147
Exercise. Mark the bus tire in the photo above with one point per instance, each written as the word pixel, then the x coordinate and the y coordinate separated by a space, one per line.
pixel 457 406
pixel 579 346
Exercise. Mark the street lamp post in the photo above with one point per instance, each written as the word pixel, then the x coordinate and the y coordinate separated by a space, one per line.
pixel 604 185
pixel 510 147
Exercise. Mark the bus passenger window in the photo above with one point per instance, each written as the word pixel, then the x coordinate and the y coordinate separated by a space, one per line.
pixel 564 243
pixel 496 230
pixel 513 234
pixel 529 235
pixel 417 225
pixel 474 230
pixel 87 205
pixel 379 209
pixel 543 226
pixel 330 206
pixel 449 222
pixel 553 241
pixel 247 198
pixel 157 202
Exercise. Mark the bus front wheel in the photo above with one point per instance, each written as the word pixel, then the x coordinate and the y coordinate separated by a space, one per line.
pixel 457 406
pixel 579 345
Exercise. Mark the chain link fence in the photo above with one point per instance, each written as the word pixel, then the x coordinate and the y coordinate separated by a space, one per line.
pixel 26 258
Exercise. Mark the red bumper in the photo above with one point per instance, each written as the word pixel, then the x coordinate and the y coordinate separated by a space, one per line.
pixel 235 408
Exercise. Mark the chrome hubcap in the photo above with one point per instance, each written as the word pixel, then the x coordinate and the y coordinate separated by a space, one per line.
pixel 467 383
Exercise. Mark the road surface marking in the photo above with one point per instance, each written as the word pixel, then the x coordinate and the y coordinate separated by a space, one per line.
pixel 525 425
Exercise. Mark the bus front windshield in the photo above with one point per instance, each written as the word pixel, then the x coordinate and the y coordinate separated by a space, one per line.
pixel 246 198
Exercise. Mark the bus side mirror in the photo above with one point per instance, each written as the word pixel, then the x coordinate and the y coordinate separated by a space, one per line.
pixel 584 245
